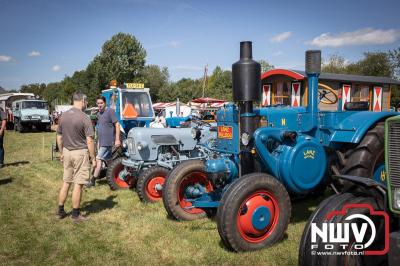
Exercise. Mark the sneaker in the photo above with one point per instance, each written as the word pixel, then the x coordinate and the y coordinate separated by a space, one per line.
pixel 79 218
pixel 61 215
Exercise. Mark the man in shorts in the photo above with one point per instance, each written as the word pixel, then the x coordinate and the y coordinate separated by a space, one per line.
pixel 75 141
pixel 3 122
pixel 108 133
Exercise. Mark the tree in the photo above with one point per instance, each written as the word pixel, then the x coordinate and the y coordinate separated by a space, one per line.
pixel 220 84
pixel 122 58
pixel 372 64
pixel 156 79
pixel 394 57
pixel 376 64
pixel 334 64
pixel 265 66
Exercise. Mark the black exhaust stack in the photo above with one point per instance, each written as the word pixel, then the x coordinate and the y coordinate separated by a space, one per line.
pixel 246 82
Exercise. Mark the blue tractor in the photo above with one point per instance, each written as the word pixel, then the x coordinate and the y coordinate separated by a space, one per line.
pixel 254 169
pixel 133 107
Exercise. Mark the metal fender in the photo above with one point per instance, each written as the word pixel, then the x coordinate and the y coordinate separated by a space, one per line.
pixel 353 128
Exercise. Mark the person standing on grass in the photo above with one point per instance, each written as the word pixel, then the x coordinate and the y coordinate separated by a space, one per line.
pixel 108 134
pixel 75 141
pixel 3 122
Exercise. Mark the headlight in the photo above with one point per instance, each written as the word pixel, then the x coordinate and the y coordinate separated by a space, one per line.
pixel 245 138
pixel 124 144
pixel 130 142
pixel 196 133
pixel 141 145
pixel 396 198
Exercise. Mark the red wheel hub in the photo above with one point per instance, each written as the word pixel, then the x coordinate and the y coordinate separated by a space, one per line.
pixel 127 183
pixel 250 221
pixel 190 180
pixel 154 187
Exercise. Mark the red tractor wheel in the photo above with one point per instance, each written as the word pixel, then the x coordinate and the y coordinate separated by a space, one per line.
pixel 254 213
pixel 150 183
pixel 114 178
pixel 175 199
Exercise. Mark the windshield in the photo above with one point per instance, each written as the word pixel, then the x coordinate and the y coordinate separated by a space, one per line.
pixel 136 104
pixel 34 105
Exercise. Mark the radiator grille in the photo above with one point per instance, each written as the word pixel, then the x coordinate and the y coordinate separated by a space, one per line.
pixel 394 152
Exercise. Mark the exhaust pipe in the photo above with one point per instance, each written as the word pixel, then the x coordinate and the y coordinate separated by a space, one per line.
pixel 246 84
pixel 313 69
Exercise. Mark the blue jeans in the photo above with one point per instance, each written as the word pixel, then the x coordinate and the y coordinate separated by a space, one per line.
pixel 104 153
pixel 1 151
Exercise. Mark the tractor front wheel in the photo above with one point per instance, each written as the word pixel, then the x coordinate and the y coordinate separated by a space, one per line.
pixel 254 213
pixel 176 202
pixel 114 180
pixel 150 183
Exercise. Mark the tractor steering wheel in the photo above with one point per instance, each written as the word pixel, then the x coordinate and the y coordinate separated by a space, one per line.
pixel 327 95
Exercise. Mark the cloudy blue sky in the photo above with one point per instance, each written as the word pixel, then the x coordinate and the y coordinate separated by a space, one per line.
pixel 44 40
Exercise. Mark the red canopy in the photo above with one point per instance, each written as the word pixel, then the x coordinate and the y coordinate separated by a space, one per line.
pixel 207 100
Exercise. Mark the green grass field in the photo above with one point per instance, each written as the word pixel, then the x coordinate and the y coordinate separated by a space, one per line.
pixel 121 229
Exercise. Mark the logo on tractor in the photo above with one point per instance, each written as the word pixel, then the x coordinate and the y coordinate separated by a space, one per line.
pixel 383 175
pixel 309 154
pixel 225 132
pixel 355 234
pixel 283 121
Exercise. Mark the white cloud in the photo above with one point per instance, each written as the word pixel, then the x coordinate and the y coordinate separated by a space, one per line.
pixel 278 53
pixel 358 37
pixel 5 58
pixel 171 44
pixel 281 37
pixel 55 68
pixel 34 53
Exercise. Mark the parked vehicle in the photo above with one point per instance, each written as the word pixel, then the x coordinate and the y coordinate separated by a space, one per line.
pixel 153 152
pixel 31 113
pixel 372 202
pixel 6 101
pixel 254 169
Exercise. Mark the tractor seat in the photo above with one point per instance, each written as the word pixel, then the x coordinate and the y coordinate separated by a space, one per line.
pixel 356 106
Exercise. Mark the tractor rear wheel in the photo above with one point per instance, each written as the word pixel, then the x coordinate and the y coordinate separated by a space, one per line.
pixel 184 175
pixel 365 157
pixel 114 180
pixel 150 183
pixel 254 213
pixel 308 256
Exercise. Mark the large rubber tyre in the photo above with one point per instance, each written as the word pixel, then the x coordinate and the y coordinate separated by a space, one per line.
pixel 249 197
pixel 362 159
pixel 149 183
pixel 183 175
pixel 112 175
pixel 336 202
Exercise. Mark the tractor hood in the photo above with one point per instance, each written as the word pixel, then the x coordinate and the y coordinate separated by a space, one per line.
pixel 285 117
pixel 144 143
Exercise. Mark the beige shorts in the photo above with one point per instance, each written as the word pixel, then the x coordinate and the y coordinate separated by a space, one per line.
pixel 76 166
